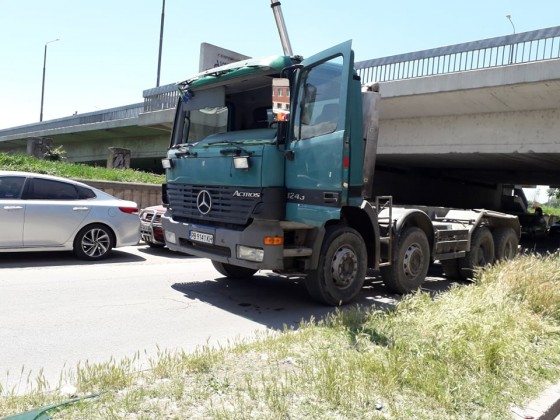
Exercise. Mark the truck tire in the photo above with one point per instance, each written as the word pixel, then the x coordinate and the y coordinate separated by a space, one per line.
pixel 451 269
pixel 505 244
pixel 342 267
pixel 480 254
pixel 411 260
pixel 233 271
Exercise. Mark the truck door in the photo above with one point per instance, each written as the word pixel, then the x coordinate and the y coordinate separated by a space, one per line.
pixel 317 153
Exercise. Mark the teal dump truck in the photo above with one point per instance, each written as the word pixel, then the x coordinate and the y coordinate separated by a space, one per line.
pixel 271 167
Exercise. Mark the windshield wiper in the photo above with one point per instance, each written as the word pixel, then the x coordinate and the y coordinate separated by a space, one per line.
pixel 213 143
pixel 185 152
pixel 236 151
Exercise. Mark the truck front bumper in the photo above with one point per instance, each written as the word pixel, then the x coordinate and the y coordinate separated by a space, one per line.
pixel 245 248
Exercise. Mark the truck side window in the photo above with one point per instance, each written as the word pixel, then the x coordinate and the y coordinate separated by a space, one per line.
pixel 317 111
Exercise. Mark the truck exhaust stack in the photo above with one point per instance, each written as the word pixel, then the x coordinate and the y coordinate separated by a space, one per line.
pixel 275 5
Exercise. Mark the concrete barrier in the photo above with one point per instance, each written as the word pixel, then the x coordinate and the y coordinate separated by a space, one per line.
pixel 143 194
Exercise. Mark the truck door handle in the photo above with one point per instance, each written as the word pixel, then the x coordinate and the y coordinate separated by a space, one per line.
pixel 80 209
pixel 330 197
pixel 13 208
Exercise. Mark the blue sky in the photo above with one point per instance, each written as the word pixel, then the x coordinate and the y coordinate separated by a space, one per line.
pixel 108 50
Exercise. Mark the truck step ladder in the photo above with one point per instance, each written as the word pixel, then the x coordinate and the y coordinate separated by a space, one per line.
pixel 296 250
pixel 382 203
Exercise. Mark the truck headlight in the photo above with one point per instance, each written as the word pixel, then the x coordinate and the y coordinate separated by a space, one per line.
pixel 241 162
pixel 167 163
pixel 250 254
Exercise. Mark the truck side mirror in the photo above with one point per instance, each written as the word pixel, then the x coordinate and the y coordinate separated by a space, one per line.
pixel 281 99
pixel 281 107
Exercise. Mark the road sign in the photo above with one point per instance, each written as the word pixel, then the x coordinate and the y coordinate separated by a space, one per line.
pixel 212 56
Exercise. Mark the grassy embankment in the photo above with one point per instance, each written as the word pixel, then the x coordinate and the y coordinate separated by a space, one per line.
pixel 551 211
pixel 75 171
pixel 469 353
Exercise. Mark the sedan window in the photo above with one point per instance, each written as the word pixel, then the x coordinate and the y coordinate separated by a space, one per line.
pixel 11 186
pixel 46 189
pixel 85 193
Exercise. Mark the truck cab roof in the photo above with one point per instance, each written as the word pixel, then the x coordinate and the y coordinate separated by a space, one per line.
pixel 245 68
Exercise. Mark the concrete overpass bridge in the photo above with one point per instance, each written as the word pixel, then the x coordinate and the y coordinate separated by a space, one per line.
pixel 481 114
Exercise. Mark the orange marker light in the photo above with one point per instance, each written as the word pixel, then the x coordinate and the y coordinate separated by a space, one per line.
pixel 273 240
pixel 283 116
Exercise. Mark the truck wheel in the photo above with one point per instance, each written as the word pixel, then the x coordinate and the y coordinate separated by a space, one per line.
pixel 505 244
pixel 481 253
pixel 342 267
pixel 451 269
pixel 411 260
pixel 233 271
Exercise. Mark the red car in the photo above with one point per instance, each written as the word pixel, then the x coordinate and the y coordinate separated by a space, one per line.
pixel 150 226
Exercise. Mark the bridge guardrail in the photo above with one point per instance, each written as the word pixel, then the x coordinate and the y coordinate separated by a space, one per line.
pixel 162 97
pixel 112 114
pixel 542 44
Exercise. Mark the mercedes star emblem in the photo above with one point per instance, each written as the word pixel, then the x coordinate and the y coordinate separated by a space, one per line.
pixel 204 202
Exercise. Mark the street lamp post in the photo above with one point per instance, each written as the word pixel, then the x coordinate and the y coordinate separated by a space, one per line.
pixel 511 21
pixel 511 47
pixel 43 85
pixel 160 41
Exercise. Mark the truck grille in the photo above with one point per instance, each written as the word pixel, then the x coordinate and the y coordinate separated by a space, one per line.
pixel 225 208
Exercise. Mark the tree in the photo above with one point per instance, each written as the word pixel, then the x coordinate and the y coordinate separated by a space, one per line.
pixel 553 196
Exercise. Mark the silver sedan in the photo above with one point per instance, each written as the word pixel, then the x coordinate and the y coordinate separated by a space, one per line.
pixel 47 213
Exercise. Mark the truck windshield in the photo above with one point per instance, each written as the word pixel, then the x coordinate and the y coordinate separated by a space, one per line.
pixel 240 108
pixel 193 126
pixel 223 124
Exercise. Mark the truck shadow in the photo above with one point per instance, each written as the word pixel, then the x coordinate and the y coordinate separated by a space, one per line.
pixel 277 303
pixel 162 252
pixel 541 245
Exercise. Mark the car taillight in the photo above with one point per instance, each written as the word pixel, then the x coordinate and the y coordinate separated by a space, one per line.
pixel 129 210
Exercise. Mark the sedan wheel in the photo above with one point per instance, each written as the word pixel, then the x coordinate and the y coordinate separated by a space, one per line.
pixel 93 242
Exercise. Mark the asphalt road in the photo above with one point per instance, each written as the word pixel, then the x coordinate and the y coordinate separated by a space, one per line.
pixel 56 311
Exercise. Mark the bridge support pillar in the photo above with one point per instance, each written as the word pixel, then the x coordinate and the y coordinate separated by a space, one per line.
pixel 119 158
pixel 38 146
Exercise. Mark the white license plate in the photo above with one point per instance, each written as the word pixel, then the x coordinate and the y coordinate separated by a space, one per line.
pixel 201 237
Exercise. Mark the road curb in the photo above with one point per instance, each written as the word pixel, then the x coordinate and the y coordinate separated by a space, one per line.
pixel 545 407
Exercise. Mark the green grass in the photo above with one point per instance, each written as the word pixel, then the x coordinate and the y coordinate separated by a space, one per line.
pixel 76 171
pixel 551 211
pixel 471 352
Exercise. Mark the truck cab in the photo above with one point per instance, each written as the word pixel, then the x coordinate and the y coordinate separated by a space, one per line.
pixel 232 170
